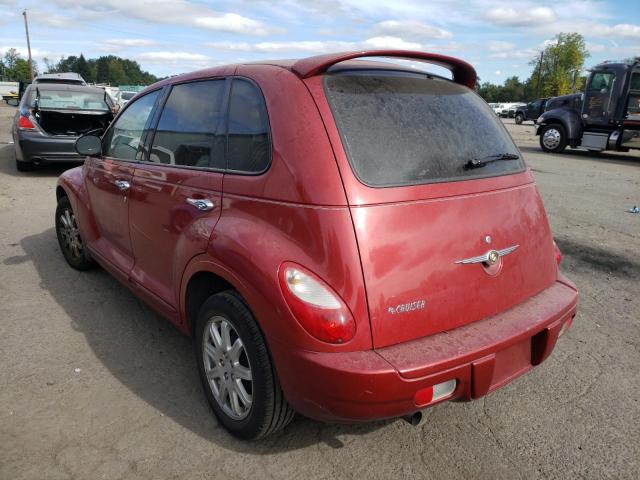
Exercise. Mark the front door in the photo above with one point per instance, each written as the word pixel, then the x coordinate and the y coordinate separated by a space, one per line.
pixel 177 190
pixel 597 106
pixel 109 183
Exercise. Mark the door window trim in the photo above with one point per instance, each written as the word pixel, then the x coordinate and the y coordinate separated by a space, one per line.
pixel 145 130
pixel 150 137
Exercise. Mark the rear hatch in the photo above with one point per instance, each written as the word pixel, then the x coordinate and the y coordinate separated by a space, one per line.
pixel 70 110
pixel 435 183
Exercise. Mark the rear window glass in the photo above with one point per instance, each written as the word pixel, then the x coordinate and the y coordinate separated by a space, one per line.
pixel 405 129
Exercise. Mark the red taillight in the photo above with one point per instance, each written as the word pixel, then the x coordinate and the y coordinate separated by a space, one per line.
pixel 558 253
pixel 319 310
pixel 25 124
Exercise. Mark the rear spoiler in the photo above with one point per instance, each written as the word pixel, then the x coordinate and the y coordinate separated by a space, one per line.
pixel 463 72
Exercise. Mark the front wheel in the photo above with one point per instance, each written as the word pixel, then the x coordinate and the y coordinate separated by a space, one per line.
pixel 235 367
pixel 69 237
pixel 519 118
pixel 553 138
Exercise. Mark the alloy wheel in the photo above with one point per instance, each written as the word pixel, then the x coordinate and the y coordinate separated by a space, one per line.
pixel 70 234
pixel 227 367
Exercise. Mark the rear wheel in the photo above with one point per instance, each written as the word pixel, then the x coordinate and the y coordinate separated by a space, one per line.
pixel 553 138
pixel 235 367
pixel 69 237
pixel 24 166
pixel 519 118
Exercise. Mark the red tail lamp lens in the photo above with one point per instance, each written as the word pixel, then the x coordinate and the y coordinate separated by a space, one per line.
pixel 319 310
pixel 25 124
pixel 558 253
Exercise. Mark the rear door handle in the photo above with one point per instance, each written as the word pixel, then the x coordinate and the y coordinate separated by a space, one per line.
pixel 203 204
pixel 122 185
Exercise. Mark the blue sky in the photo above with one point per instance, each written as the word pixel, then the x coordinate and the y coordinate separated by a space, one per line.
pixel 173 36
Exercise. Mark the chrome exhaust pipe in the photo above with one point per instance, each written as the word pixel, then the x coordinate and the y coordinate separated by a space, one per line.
pixel 415 419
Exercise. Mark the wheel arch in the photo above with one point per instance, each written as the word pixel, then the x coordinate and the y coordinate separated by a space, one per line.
pixel 60 192
pixel 569 119
pixel 202 278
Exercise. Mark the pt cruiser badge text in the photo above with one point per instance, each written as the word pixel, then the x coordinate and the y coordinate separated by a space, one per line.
pixel 407 307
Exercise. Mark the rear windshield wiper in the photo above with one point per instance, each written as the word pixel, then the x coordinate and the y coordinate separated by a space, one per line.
pixel 481 162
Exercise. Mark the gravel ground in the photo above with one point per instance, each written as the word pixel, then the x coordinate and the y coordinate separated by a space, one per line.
pixel 94 385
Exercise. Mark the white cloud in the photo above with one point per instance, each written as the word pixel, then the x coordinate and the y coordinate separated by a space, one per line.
pixel 167 56
pixel 316 46
pixel 515 17
pixel 179 12
pixel 498 73
pixel 36 53
pixel 129 42
pixel 234 23
pixel 595 47
pixel 412 29
pixel 390 42
pixel 593 29
pixel 499 46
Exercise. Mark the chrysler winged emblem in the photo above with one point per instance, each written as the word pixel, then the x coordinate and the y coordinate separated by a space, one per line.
pixel 489 258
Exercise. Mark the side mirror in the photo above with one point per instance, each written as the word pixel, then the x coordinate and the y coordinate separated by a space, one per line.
pixel 13 102
pixel 89 145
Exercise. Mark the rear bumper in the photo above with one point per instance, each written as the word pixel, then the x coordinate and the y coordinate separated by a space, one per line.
pixel 36 147
pixel 382 383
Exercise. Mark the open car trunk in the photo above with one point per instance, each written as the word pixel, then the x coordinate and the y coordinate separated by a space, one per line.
pixel 72 122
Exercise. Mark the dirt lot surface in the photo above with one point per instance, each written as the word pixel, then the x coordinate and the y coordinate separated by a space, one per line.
pixel 93 385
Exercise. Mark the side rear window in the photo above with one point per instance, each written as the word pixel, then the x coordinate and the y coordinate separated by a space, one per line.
pixel 402 128
pixel 248 143
pixel 124 140
pixel 190 131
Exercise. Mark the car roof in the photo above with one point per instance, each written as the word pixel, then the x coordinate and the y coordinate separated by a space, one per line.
pixel 59 77
pixel 462 72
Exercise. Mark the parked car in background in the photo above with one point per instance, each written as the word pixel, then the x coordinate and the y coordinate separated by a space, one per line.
pixel 506 107
pixel 497 108
pixel 125 96
pixel 51 116
pixel 419 270
pixel 530 111
pixel 605 117
pixel 514 108
pixel 70 78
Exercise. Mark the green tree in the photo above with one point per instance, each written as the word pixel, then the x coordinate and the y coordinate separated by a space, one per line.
pixel 11 56
pixel 82 68
pixel 102 70
pixel 562 62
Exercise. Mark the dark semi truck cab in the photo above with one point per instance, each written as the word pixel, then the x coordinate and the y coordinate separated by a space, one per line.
pixel 605 117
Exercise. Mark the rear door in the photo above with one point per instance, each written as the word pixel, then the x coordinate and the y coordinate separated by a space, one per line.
pixel 449 224
pixel 177 188
pixel 108 181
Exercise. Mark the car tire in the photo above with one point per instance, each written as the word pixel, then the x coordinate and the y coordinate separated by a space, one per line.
pixel 519 119
pixel 553 138
pixel 69 238
pixel 248 409
pixel 24 166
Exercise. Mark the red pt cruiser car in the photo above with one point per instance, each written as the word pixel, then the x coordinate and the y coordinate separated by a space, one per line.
pixel 345 238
